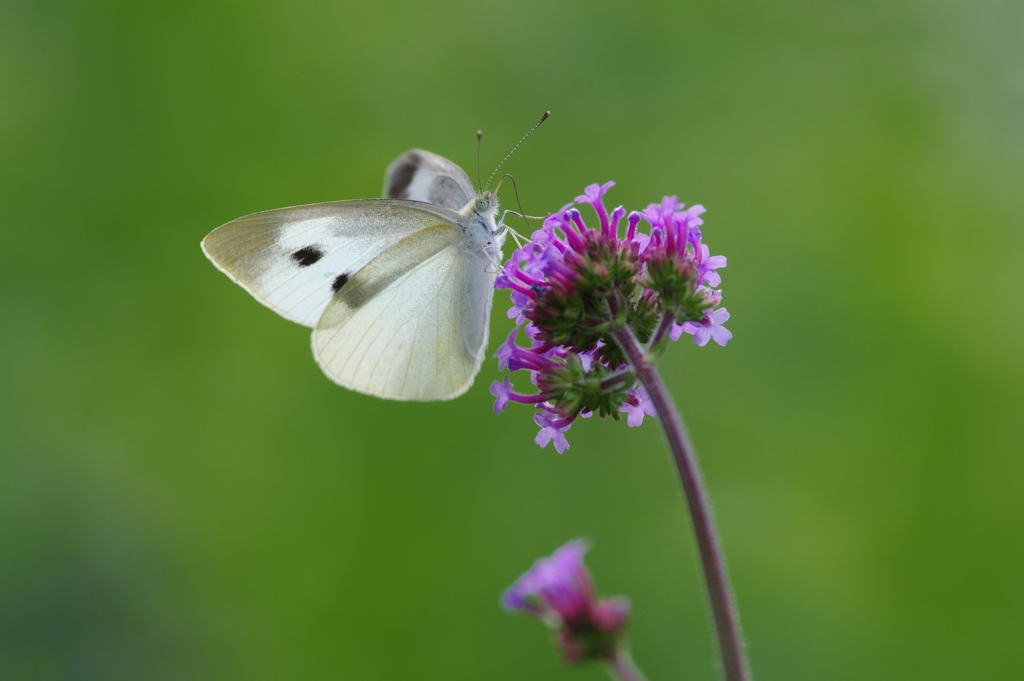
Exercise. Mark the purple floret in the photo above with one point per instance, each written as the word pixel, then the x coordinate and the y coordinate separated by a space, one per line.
pixel 559 591
pixel 710 328
pixel 559 581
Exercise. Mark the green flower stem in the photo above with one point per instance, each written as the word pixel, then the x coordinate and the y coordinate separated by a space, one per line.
pixel 656 345
pixel 723 609
pixel 622 667
pixel 622 378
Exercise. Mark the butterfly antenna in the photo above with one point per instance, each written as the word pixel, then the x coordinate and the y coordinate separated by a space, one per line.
pixel 479 139
pixel 515 188
pixel 542 119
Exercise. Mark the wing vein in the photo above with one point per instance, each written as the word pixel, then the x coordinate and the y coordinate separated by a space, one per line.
pixel 412 353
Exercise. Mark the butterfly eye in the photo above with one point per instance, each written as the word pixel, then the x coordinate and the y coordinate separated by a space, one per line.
pixel 481 204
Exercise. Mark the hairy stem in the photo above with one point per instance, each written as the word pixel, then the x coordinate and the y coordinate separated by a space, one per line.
pixel 622 667
pixel 723 609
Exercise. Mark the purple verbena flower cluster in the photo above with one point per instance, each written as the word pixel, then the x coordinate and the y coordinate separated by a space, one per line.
pixel 572 287
pixel 559 591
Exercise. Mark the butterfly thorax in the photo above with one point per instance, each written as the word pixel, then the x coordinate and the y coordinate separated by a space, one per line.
pixel 476 220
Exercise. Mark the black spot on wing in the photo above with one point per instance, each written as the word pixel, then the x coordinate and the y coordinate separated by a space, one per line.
pixel 402 177
pixel 307 256
pixel 339 281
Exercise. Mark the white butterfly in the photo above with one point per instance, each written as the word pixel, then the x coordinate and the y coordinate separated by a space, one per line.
pixel 397 290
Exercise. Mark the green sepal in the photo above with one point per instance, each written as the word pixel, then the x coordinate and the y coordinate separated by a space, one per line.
pixel 573 390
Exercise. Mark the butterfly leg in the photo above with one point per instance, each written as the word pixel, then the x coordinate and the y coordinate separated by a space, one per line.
pixel 516 236
pixel 495 262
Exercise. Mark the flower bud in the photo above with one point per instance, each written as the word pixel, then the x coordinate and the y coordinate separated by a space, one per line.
pixel 559 591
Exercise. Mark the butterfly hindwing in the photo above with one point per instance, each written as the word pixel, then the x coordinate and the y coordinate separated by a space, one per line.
pixel 294 260
pixel 412 324
pixel 398 290
pixel 419 175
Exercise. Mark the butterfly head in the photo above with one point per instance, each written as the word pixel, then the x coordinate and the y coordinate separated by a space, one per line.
pixel 476 220
pixel 486 204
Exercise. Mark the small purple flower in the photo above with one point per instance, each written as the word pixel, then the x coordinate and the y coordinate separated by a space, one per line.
pixel 559 591
pixel 641 240
pixel 587 358
pixel 503 394
pixel 501 391
pixel 551 430
pixel 711 296
pixel 594 196
pixel 638 406
pixel 594 193
pixel 710 328
pixel 560 582
pixel 506 349
pixel 707 274
pixel 660 214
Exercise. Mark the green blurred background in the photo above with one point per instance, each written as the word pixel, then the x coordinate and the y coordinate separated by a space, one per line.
pixel 183 495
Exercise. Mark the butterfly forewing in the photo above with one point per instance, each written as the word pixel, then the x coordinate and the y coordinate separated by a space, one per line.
pixel 397 292
pixel 412 325
pixel 419 175
pixel 294 260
